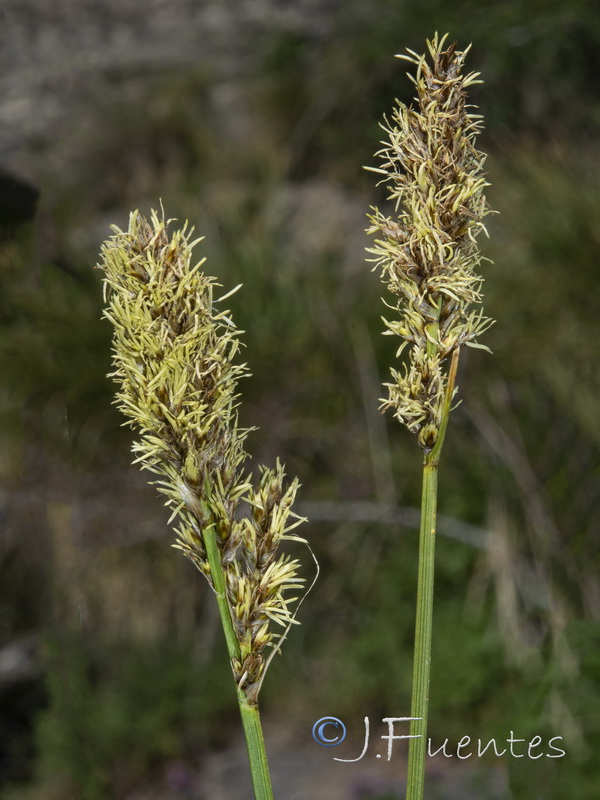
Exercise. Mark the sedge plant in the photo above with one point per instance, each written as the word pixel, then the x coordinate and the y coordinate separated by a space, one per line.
pixel 428 255
pixel 175 351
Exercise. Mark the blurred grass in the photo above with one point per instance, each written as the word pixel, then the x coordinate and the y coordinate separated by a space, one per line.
pixel 516 622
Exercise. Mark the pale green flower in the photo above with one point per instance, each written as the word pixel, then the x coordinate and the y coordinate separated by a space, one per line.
pixel 427 250
pixel 174 351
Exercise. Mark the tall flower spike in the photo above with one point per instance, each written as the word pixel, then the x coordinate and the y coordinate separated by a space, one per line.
pixel 174 351
pixel 427 251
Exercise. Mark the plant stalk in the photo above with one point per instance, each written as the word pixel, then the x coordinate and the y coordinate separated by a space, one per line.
pixel 218 579
pixel 417 747
pixel 255 743
pixel 259 767
pixel 423 629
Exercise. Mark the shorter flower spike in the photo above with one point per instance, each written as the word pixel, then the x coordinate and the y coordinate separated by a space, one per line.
pixel 427 251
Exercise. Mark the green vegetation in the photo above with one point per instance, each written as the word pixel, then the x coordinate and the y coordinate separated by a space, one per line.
pixel 516 635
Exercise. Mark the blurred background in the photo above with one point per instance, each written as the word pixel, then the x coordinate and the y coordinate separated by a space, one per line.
pixel 253 120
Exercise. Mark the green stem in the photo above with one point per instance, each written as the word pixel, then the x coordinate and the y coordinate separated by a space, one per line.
pixel 255 743
pixel 218 578
pixel 259 767
pixel 417 747
pixel 434 456
pixel 423 628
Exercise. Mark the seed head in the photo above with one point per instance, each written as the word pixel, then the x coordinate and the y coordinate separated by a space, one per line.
pixel 174 354
pixel 427 250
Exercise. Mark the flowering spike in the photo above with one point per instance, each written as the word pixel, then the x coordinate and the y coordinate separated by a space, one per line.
pixel 174 351
pixel 427 251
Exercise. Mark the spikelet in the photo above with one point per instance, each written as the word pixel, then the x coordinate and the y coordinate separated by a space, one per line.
pixel 174 351
pixel 427 251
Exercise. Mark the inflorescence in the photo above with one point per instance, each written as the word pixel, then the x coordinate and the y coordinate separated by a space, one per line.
pixel 427 251
pixel 174 351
